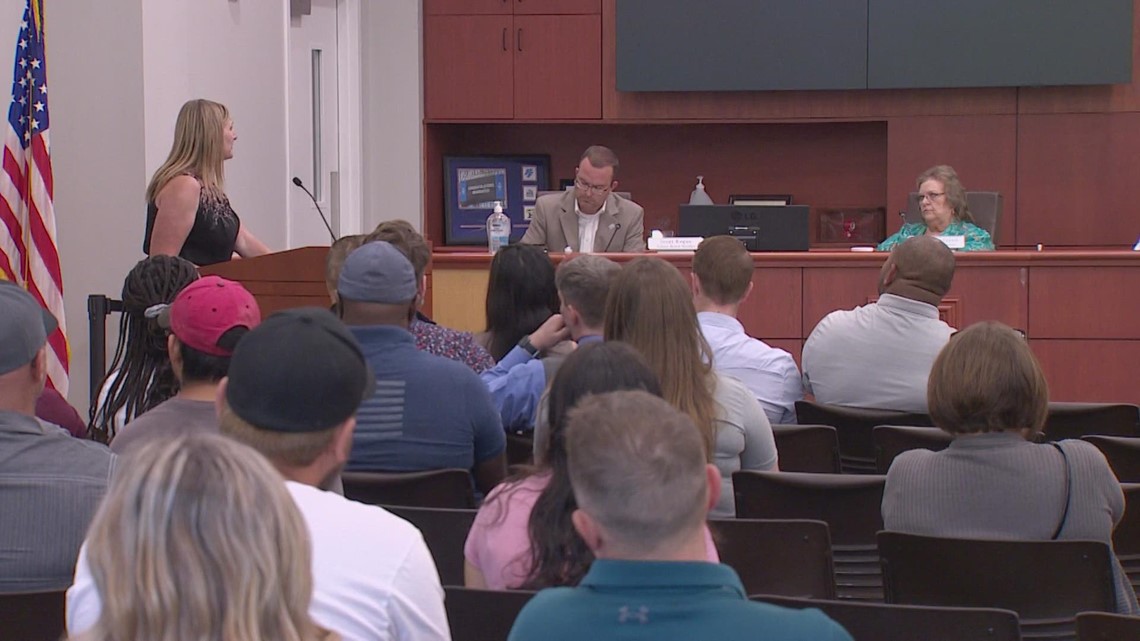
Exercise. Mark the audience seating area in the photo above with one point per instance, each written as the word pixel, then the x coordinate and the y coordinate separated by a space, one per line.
pixel 854 427
pixel 32 616
pixel 807 448
pixel 786 557
pixel 436 488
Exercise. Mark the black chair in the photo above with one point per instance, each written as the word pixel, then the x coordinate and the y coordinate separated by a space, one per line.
pixel 791 558
pixel 520 448
pixel 445 532
pixel 434 488
pixel 850 504
pixel 892 440
pixel 1126 536
pixel 1074 420
pixel 1122 452
pixel 32 616
pixel 807 448
pixel 1046 582
pixel 482 615
pixel 885 622
pixel 1100 626
pixel 853 426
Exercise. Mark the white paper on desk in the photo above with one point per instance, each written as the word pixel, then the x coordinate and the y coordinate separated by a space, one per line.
pixel 953 242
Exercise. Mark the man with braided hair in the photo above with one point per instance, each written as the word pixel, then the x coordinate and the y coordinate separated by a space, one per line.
pixel 140 376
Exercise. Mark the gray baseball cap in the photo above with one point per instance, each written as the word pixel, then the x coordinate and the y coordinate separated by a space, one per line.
pixel 24 327
pixel 377 273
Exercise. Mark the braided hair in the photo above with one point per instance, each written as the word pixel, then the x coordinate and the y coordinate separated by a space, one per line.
pixel 141 374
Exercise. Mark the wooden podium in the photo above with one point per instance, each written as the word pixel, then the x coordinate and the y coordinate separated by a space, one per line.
pixel 291 278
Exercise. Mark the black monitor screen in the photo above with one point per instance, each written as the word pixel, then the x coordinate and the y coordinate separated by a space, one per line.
pixel 783 228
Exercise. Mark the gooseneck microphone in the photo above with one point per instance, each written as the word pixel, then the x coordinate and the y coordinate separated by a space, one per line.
pixel 297 181
pixel 616 227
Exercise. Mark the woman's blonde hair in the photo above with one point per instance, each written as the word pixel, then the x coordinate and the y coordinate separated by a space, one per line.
pixel 198 149
pixel 651 308
pixel 199 539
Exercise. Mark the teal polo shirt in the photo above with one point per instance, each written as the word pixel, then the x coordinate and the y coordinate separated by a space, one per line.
pixel 664 600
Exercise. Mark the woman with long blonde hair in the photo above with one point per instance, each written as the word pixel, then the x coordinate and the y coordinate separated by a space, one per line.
pixel 198 538
pixel 188 213
pixel 651 307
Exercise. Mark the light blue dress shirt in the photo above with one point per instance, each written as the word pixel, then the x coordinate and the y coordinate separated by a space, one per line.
pixel 768 372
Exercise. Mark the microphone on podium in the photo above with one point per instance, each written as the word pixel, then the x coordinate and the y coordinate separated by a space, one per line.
pixel 616 227
pixel 325 220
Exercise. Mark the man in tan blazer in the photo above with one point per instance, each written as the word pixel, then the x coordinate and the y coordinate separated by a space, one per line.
pixel 591 214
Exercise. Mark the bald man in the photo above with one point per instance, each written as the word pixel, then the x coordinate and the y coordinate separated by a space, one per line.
pixel 879 355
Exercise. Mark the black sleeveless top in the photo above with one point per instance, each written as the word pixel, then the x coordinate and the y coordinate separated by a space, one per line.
pixel 213 236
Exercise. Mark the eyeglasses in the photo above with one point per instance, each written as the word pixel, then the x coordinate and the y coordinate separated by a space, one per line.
pixel 931 196
pixel 588 188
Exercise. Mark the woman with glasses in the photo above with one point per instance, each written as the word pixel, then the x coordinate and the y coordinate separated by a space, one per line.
pixel 942 199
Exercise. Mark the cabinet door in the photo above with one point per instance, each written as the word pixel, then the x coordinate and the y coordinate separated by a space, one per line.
pixel 558 67
pixel 467 7
pixel 554 7
pixel 468 67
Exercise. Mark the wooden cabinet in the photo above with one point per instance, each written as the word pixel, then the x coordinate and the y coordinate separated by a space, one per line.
pixel 493 67
pixel 520 7
pixel 557 7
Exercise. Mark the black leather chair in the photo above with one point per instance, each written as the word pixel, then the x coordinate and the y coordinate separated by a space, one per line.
pixel 1101 626
pixel 886 622
pixel 32 616
pixel 1074 420
pixel 434 488
pixel 1126 536
pixel 788 557
pixel 892 440
pixel 482 615
pixel 807 448
pixel 445 532
pixel 853 426
pixel 1122 452
pixel 1046 582
pixel 850 504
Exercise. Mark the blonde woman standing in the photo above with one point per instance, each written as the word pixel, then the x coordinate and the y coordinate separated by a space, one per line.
pixel 188 213
pixel 199 539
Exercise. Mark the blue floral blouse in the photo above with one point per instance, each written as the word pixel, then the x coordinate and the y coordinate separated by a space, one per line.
pixel 977 239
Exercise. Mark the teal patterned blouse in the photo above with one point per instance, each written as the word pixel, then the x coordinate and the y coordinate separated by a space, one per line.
pixel 977 239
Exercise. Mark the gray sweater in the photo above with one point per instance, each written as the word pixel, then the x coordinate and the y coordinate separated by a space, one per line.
pixel 1000 486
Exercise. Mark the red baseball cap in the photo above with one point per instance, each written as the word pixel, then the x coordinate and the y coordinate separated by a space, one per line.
pixel 208 308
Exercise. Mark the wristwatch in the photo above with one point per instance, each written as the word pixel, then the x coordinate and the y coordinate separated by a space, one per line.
pixel 528 346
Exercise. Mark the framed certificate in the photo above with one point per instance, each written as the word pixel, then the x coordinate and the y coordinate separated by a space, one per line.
pixel 473 184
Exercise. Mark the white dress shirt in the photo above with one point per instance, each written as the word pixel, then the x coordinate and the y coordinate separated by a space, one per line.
pixel 587 228
pixel 768 372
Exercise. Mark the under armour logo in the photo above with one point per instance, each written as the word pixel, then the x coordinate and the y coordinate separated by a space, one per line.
pixel 625 615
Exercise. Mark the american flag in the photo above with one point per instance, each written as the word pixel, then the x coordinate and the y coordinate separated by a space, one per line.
pixel 28 252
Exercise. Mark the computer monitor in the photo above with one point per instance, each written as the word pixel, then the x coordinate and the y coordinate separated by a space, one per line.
pixel 760 228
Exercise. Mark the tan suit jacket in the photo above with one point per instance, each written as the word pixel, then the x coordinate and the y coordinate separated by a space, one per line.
pixel 555 225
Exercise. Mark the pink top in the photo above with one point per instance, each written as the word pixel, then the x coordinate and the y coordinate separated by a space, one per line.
pixel 498 544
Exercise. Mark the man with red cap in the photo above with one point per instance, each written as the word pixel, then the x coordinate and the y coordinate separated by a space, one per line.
pixel 206 320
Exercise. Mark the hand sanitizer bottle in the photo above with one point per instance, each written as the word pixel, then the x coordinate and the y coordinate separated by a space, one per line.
pixel 498 229
pixel 700 196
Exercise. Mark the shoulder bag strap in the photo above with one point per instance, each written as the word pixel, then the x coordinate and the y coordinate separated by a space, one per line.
pixel 1068 492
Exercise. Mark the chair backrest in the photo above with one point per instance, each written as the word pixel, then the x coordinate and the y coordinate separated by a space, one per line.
pixel 433 488
pixel 807 448
pixel 482 615
pixel 1039 580
pixel 520 448
pixel 785 557
pixel 892 440
pixel 1101 626
pixel 1126 536
pixel 1123 454
pixel 849 504
pixel 32 616
pixel 853 426
pixel 985 208
pixel 887 622
pixel 445 532
pixel 1074 420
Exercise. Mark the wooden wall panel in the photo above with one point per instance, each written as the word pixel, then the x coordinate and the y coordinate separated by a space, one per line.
pixel 991 293
pixel 1085 302
pixel 1090 371
pixel 1075 179
pixel 794 347
pixel 827 289
pixel 982 149
pixel 775 303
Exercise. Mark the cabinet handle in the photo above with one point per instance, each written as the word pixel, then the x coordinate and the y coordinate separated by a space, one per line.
pixel 519 38
pixel 504 38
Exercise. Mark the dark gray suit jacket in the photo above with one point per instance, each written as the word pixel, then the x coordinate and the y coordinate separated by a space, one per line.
pixel 555 225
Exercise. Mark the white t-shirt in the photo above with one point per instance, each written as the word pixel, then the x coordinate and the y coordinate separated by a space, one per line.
pixel 373 577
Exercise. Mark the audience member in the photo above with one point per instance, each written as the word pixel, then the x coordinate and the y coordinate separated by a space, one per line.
pixel 644 489
pixel 945 213
pixel 205 321
pixel 522 536
pixel 517 382
pixel 140 376
pixel 198 539
pixel 879 355
pixel 430 337
pixel 406 425
pixel 651 307
pixel 994 482
pixel 722 281
pixel 50 483
pixel 334 260
pixel 521 296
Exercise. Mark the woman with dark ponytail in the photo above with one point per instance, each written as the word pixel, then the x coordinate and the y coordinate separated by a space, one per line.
pixel 140 375
pixel 523 536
